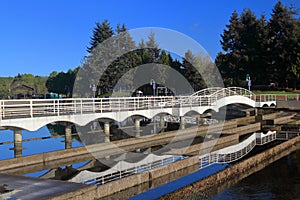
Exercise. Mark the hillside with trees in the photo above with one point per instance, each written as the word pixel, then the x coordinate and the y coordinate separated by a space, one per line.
pixel 22 84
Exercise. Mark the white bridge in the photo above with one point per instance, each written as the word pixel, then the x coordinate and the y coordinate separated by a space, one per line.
pixel 32 114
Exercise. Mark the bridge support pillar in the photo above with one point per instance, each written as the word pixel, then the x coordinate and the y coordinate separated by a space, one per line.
pixel 107 131
pixel 68 137
pixel 182 122
pixel 162 121
pixel 18 143
pixel 200 120
pixel 137 123
pixel 247 113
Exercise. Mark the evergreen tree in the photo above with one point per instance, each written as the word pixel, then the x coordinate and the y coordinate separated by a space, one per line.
pixel 152 48
pixel 101 32
pixel 192 65
pixel 229 62
pixel 282 43
pixel 260 66
pixel 268 51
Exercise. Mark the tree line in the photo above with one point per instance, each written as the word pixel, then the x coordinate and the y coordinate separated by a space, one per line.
pixel 125 64
pixel 267 50
pixel 28 84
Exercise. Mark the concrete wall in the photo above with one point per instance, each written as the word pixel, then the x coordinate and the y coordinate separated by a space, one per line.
pixel 205 147
pixel 278 120
pixel 243 120
pixel 144 179
pixel 244 129
pixel 291 105
pixel 241 169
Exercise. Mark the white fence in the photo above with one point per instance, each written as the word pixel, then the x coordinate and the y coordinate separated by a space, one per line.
pixel 56 107
pixel 236 152
pixel 123 169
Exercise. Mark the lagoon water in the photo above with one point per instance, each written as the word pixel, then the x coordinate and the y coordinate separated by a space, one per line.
pixel 32 147
pixel 280 180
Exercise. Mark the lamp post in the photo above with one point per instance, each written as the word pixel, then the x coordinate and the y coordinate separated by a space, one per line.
pixel 152 82
pixel 248 79
pixel 94 89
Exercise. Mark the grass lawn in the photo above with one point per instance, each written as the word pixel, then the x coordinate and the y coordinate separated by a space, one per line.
pixel 275 92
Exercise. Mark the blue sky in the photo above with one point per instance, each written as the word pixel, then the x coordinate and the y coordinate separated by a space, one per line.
pixel 41 36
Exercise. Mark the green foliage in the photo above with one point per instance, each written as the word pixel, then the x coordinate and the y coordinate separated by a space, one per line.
pixel 111 65
pixel 62 83
pixel 101 32
pixel 9 85
pixel 268 51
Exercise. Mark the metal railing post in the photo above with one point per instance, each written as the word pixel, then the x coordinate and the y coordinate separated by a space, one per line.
pixel 94 109
pixel 54 107
pixel 74 105
pixel 58 107
pixel 31 109
pixel 81 106
pixel 1 110
pixel 101 102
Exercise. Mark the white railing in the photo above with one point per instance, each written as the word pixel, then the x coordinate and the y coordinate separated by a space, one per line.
pixel 121 171
pixel 225 155
pixel 286 135
pixel 236 152
pixel 277 97
pixel 207 91
pixel 56 107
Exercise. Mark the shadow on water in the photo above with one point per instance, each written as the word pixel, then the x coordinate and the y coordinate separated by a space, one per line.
pixel 279 180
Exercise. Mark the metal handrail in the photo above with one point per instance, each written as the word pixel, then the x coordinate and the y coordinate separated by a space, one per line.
pixel 70 106
pixel 236 152
pixel 100 180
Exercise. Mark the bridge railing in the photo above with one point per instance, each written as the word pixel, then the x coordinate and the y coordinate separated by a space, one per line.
pixel 100 178
pixel 56 107
pixel 277 97
pixel 236 152
pixel 209 96
pixel 207 91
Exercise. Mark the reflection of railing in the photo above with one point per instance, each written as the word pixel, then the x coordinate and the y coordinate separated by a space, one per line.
pixel 124 169
pixel 236 152
pixel 286 135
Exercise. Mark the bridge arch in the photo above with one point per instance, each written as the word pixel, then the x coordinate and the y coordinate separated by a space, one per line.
pixel 237 99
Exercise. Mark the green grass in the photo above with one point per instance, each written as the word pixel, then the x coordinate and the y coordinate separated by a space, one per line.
pixel 275 92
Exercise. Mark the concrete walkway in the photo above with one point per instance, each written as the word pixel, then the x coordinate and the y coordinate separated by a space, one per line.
pixel 31 188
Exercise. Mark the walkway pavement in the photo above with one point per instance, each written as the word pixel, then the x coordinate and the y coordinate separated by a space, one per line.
pixel 32 188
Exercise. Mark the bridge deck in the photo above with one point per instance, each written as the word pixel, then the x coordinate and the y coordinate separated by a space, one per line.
pixel 32 114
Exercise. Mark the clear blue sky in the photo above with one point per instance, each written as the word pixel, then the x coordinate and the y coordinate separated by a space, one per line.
pixel 41 36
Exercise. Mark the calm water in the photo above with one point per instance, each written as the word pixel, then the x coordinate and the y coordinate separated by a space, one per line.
pixel 32 147
pixel 280 180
